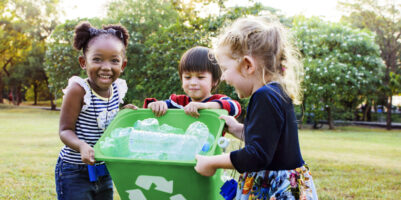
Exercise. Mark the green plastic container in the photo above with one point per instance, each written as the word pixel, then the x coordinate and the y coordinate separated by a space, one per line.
pixel 142 179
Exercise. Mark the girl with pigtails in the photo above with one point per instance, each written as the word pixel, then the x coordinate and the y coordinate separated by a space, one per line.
pixel 88 107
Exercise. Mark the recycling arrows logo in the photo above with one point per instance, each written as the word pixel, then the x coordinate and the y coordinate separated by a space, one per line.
pixel 161 185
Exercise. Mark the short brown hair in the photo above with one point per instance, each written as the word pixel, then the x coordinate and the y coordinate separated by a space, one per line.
pixel 200 59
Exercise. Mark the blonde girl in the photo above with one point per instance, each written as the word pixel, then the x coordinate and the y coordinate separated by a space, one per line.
pixel 257 59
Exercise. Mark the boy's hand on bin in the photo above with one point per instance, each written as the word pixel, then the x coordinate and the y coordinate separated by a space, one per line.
pixel 87 153
pixel 159 108
pixel 192 109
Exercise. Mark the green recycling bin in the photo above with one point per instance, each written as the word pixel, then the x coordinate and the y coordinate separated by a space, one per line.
pixel 142 179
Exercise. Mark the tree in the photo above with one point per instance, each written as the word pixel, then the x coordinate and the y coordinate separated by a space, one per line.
pixel 342 66
pixel 24 28
pixel 385 20
pixel 161 31
pixel 14 43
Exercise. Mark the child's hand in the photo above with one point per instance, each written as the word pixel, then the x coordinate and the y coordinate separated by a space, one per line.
pixel 87 153
pixel 234 127
pixel 130 106
pixel 192 109
pixel 203 166
pixel 159 108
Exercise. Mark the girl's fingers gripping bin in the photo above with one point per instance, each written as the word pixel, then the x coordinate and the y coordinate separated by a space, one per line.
pixel 142 179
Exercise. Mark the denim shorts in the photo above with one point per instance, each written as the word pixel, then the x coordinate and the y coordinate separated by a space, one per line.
pixel 72 182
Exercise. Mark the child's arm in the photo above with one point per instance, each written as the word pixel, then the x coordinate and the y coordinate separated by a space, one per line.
pixel 71 107
pixel 236 129
pixel 193 107
pixel 232 106
pixel 159 108
pixel 207 165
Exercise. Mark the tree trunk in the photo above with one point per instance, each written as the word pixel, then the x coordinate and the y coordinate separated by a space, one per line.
pixel 389 105
pixel 19 95
pixel 52 104
pixel 365 111
pixel 330 118
pixel 35 93
pixel 13 97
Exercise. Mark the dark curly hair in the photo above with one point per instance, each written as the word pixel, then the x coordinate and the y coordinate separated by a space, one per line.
pixel 84 32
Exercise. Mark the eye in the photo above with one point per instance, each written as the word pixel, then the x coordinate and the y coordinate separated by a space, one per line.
pixel 187 77
pixel 97 59
pixel 115 61
pixel 201 77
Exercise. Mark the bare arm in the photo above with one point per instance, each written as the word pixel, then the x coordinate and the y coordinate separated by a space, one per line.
pixel 207 165
pixel 71 107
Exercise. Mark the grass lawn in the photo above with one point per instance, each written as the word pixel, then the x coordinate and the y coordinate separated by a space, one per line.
pixel 348 163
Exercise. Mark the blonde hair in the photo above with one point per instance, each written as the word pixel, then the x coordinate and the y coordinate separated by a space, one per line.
pixel 267 42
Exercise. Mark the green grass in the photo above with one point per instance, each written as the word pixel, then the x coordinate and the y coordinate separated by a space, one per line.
pixel 354 163
pixel 347 163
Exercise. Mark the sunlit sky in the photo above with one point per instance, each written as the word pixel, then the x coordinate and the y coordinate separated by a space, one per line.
pixel 324 8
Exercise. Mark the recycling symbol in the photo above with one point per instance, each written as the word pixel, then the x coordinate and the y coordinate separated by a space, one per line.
pixel 146 181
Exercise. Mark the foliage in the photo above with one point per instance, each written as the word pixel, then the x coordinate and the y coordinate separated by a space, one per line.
pixel 343 67
pixel 383 18
pixel 24 26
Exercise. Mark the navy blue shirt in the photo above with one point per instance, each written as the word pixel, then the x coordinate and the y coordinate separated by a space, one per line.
pixel 271 133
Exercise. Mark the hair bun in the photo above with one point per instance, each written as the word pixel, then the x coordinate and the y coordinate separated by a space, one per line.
pixel 82 34
pixel 120 32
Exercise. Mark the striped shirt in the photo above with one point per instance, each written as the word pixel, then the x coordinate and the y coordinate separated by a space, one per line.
pixel 92 121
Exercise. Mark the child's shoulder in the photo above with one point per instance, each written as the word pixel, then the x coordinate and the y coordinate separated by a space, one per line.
pixel 76 84
pixel 272 92
pixel 269 89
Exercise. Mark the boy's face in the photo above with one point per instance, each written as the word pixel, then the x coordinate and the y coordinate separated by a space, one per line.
pixel 197 85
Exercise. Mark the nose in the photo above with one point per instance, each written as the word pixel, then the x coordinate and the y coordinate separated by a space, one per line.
pixel 193 81
pixel 106 66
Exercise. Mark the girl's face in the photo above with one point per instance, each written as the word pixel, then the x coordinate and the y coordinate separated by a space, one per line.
pixel 234 73
pixel 197 85
pixel 104 61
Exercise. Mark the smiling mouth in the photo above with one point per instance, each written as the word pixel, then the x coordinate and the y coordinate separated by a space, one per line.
pixel 105 76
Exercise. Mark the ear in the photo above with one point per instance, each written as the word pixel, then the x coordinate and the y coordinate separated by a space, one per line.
pixel 123 65
pixel 82 62
pixel 249 65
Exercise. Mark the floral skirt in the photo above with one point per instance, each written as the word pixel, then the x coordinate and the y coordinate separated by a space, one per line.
pixel 281 184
